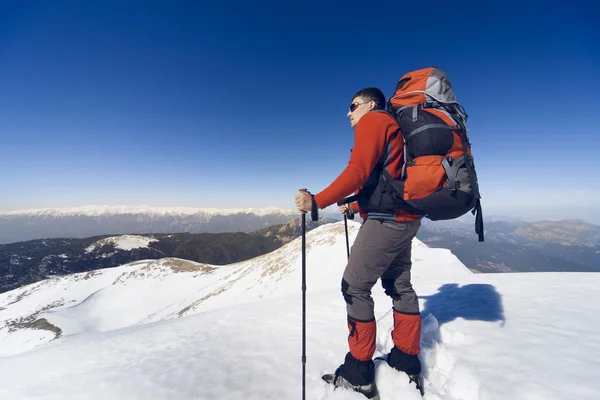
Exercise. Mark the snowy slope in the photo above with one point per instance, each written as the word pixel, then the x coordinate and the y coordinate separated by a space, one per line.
pixel 153 290
pixel 513 336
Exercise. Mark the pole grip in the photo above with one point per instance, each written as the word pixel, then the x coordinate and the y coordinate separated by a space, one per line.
pixel 314 212
pixel 344 201
pixel 303 190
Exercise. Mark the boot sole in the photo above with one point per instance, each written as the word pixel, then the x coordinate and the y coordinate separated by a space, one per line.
pixel 330 378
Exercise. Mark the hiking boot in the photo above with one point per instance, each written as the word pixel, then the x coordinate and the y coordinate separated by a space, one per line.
pixel 411 363
pixel 418 380
pixel 369 391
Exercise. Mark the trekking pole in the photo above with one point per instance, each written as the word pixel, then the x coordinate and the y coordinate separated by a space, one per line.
pixel 303 302
pixel 347 242
pixel 351 216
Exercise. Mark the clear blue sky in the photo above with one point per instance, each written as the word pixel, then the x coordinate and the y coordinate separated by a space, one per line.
pixel 240 104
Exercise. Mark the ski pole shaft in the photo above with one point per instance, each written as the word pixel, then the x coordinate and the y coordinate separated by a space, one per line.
pixel 347 215
pixel 347 242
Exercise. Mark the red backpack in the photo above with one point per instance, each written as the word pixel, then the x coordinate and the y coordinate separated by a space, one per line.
pixel 438 178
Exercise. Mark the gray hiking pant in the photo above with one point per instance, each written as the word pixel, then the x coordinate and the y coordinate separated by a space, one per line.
pixel 381 250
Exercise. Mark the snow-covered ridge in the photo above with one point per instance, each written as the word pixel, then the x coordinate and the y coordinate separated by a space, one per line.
pixel 148 291
pixel 124 242
pixel 153 290
pixel 94 211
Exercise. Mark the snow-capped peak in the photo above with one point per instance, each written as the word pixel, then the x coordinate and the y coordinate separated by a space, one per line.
pixel 123 242
pixel 94 210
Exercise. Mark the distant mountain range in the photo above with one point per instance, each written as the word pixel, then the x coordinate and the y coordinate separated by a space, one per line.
pixel 518 246
pixel 82 222
pixel 510 245
pixel 30 261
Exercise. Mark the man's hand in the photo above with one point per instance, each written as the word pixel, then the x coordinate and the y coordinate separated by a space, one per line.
pixel 304 202
pixel 346 209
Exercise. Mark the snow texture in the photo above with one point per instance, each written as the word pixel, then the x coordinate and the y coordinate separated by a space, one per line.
pixel 175 329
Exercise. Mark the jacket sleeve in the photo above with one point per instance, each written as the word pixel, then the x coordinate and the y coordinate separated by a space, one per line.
pixel 369 142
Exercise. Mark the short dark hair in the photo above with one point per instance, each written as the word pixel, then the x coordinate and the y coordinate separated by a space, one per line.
pixel 372 94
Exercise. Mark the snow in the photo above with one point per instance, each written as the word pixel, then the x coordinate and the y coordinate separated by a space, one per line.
pixel 485 336
pixel 95 211
pixel 123 242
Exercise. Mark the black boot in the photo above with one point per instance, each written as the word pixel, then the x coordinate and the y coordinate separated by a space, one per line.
pixel 404 362
pixel 355 375
pixel 407 363
pixel 369 391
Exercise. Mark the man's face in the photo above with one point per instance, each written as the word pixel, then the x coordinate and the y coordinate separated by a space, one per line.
pixel 358 108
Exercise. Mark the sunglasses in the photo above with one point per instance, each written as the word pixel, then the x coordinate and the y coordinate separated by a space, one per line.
pixel 354 105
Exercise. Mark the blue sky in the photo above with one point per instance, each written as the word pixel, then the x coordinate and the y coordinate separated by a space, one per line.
pixel 240 104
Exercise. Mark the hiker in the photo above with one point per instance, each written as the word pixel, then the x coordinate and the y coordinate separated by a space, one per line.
pixel 382 249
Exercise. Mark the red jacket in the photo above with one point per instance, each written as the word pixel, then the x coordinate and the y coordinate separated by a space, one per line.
pixel 372 134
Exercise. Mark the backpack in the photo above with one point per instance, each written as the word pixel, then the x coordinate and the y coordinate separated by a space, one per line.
pixel 438 179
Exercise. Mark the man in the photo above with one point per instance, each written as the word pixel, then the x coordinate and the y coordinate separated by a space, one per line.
pixel 382 248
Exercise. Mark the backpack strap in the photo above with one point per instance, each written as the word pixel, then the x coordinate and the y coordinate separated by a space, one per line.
pixel 449 174
pixel 428 126
pixel 478 220
pixel 470 170
pixel 365 191
pixel 405 155
pixel 397 185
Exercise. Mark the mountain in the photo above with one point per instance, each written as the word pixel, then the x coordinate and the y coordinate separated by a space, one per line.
pixel 80 222
pixel 511 245
pixel 563 233
pixel 175 329
pixel 518 246
pixel 287 232
pixel 28 262
pixel 179 287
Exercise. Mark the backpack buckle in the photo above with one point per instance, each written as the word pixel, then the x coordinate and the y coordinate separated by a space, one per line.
pixel 431 104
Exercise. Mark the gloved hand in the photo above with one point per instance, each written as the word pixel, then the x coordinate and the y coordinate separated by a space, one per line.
pixel 304 201
pixel 346 209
